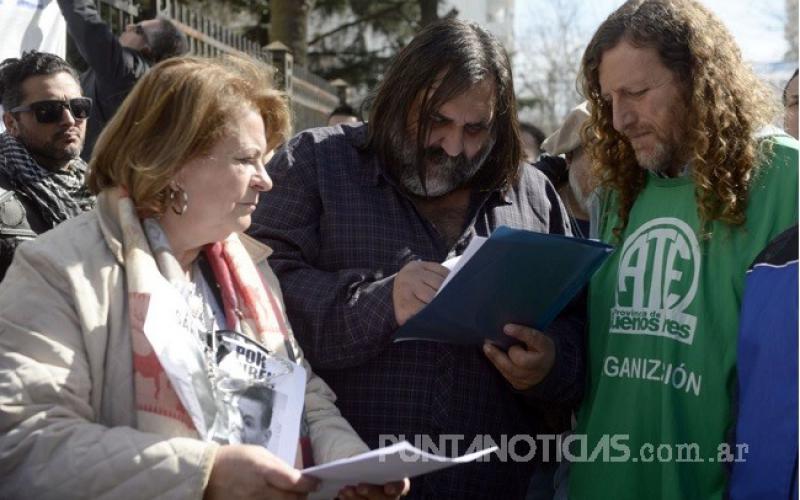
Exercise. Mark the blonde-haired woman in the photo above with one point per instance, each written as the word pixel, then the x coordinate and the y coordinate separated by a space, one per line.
pixel 86 408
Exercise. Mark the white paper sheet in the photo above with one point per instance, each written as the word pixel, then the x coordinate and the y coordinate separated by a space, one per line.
pixel 179 353
pixel 392 463
pixel 456 263
pixel 287 412
pixel 284 385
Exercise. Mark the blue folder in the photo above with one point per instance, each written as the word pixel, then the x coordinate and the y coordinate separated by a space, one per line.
pixel 517 277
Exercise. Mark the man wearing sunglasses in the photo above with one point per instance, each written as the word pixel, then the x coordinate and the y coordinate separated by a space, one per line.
pixel 41 172
pixel 115 64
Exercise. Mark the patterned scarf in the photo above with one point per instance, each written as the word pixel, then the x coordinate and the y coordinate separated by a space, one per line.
pixel 250 306
pixel 59 195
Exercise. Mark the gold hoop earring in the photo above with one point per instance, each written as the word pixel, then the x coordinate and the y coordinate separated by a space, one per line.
pixel 173 198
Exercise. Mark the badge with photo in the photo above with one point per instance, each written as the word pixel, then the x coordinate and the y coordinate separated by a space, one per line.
pixel 260 395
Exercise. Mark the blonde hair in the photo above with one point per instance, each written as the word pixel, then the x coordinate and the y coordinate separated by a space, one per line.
pixel 176 113
pixel 727 104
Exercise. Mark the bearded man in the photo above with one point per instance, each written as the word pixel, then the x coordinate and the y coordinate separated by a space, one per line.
pixel 360 218
pixel 695 185
pixel 41 173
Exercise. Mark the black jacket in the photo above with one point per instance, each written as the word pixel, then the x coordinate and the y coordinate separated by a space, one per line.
pixel 113 69
pixel 20 220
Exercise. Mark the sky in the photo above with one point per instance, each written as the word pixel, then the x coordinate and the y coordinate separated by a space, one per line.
pixel 757 25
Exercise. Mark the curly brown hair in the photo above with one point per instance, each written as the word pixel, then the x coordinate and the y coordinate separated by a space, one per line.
pixel 726 105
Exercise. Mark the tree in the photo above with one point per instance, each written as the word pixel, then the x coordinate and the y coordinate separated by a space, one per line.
pixel 349 39
pixel 289 25
pixel 429 12
pixel 355 39
pixel 790 30
pixel 548 56
pixel 250 18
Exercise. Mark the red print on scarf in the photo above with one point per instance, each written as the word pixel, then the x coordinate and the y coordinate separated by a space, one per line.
pixel 154 391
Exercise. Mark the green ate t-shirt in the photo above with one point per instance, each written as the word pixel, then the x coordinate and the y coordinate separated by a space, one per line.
pixel 663 323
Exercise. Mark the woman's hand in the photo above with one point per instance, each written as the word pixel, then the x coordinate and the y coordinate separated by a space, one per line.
pixel 376 492
pixel 246 471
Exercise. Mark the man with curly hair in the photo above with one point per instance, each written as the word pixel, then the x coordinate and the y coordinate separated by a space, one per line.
pixel 693 187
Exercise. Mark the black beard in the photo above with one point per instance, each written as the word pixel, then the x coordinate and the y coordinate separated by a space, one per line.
pixel 449 172
pixel 48 155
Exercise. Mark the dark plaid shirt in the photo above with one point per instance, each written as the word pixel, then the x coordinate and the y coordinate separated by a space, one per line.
pixel 340 231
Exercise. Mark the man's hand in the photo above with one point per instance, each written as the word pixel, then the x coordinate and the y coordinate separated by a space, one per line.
pixel 387 491
pixel 415 286
pixel 246 471
pixel 523 367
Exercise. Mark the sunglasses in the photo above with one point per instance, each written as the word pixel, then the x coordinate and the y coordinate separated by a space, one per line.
pixel 51 111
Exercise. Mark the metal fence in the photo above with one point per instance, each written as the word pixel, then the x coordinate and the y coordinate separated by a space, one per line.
pixel 312 97
pixel 118 13
pixel 206 36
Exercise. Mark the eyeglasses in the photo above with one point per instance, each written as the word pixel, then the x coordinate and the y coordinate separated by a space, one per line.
pixel 51 111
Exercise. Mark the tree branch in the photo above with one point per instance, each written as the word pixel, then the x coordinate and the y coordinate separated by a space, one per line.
pixel 395 6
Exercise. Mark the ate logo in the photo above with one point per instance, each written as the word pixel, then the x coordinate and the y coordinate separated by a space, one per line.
pixel 657 279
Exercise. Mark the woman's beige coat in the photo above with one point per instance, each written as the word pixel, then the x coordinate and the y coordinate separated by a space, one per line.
pixel 67 415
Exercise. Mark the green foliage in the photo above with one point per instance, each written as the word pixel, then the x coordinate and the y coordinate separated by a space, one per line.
pixel 349 39
pixel 355 39
pixel 330 7
pixel 530 102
